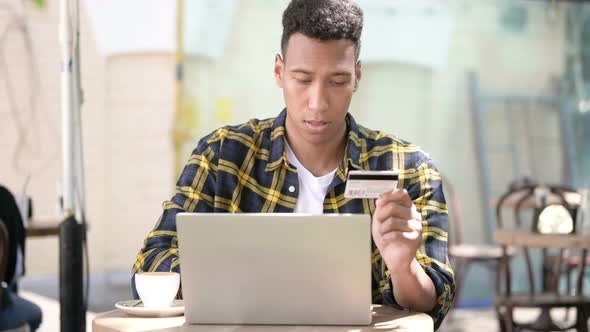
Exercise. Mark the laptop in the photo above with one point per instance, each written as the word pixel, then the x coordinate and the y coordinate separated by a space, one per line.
pixel 279 269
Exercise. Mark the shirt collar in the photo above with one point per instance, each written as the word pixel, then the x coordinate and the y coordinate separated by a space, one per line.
pixel 353 147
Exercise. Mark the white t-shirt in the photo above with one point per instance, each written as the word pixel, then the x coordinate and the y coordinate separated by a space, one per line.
pixel 312 189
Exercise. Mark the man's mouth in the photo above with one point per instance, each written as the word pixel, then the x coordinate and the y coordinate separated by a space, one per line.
pixel 316 126
pixel 316 123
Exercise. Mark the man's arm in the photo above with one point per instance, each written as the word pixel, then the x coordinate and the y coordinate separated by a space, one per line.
pixel 410 231
pixel 413 288
pixel 397 230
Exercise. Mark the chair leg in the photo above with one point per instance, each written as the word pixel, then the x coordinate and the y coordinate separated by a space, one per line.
pixel 502 324
pixel 496 266
pixel 582 318
pixel 505 318
pixel 568 286
pixel 460 273
pixel 459 284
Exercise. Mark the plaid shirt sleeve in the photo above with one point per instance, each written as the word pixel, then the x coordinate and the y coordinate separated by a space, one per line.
pixel 194 193
pixel 424 186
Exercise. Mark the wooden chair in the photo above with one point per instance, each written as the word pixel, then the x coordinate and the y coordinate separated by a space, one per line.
pixel 464 254
pixel 549 295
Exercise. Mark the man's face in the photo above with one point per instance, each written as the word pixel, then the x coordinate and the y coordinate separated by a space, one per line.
pixel 318 79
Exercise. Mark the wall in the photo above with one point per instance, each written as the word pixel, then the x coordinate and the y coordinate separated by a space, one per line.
pixel 127 118
pixel 429 107
pixel 425 106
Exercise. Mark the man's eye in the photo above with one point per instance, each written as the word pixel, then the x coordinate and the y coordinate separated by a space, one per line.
pixel 303 81
pixel 339 83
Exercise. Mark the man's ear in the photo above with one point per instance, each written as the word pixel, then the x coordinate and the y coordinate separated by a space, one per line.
pixel 279 67
pixel 357 74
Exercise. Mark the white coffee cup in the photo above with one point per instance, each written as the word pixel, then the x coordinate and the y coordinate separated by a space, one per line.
pixel 157 289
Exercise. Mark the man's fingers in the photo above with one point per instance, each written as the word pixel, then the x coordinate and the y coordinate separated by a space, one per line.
pixel 411 235
pixel 399 225
pixel 394 210
pixel 399 196
pixel 394 225
pixel 395 236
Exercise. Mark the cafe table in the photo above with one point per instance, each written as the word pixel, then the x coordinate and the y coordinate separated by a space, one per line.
pixel 384 319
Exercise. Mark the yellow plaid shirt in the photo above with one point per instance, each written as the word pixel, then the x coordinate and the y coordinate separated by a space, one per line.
pixel 245 169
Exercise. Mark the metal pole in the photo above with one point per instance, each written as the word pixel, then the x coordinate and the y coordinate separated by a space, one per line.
pixel 77 101
pixel 180 132
pixel 71 281
pixel 67 108
pixel 73 228
pixel 477 112
pixel 570 171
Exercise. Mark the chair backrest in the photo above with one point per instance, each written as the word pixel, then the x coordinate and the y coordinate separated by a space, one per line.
pixel 519 198
pixel 455 216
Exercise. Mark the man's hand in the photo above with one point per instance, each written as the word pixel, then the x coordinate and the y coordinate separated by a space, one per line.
pixel 397 232
pixel 397 229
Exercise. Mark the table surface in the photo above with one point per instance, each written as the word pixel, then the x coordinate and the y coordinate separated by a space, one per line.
pixel 384 319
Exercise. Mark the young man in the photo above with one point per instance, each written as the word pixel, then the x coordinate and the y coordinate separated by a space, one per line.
pixel 298 162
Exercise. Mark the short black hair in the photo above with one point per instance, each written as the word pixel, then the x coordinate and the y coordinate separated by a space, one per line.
pixel 324 20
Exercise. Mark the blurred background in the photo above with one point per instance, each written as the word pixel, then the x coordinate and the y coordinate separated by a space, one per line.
pixel 494 90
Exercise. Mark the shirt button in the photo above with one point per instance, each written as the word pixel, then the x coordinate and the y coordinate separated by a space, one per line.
pixel 292 189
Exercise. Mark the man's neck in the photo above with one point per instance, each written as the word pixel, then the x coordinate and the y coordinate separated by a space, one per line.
pixel 319 159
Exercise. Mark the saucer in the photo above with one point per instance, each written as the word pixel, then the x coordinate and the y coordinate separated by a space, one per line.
pixel 136 308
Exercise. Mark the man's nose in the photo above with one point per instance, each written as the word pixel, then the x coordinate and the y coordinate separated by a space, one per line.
pixel 318 100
